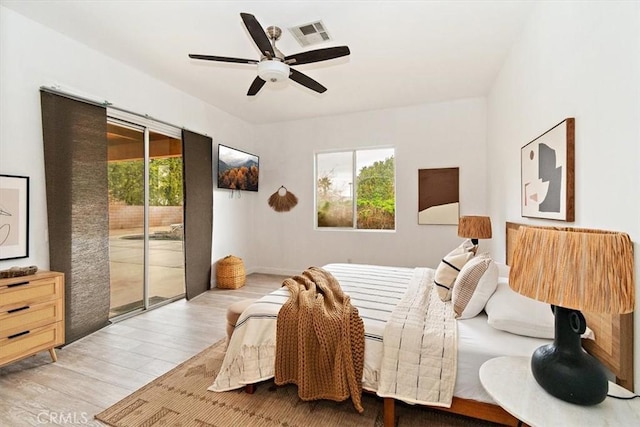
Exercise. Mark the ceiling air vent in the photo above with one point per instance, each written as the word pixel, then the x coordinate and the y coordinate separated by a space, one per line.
pixel 310 34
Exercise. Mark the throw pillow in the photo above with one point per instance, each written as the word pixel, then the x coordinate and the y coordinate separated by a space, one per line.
pixel 474 286
pixel 449 267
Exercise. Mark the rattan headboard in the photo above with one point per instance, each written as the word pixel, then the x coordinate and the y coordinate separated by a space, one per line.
pixel 613 345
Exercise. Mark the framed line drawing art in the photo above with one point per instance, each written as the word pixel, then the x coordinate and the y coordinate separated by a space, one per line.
pixel 547 182
pixel 14 217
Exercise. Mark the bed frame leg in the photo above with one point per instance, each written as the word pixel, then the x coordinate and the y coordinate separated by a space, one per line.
pixel 250 388
pixel 389 408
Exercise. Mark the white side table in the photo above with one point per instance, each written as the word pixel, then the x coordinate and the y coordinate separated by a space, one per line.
pixel 509 381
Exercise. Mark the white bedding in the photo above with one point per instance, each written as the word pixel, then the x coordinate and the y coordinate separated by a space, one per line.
pixel 374 290
pixel 420 352
pixel 479 342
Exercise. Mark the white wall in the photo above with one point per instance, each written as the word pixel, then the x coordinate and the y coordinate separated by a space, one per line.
pixel 427 136
pixel 582 60
pixel 32 55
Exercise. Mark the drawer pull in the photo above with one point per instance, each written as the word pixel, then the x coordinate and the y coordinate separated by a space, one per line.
pixel 17 284
pixel 19 334
pixel 26 307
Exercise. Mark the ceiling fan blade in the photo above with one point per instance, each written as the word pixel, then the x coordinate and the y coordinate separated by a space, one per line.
pixel 257 34
pixel 306 81
pixel 255 86
pixel 317 55
pixel 223 59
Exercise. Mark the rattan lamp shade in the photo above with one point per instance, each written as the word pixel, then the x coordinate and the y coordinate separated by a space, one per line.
pixel 573 269
pixel 582 269
pixel 474 227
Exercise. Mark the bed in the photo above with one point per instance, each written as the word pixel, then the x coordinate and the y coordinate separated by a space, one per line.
pixel 375 291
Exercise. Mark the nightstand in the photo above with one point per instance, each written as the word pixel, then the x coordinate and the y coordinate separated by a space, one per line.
pixel 509 381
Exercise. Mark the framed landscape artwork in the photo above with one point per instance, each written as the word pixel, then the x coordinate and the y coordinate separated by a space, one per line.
pixel 548 174
pixel 14 217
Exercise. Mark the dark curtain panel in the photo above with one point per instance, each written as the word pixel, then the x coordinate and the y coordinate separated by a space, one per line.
pixel 75 153
pixel 198 211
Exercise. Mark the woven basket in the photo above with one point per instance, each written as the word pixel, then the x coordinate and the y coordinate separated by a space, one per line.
pixel 230 273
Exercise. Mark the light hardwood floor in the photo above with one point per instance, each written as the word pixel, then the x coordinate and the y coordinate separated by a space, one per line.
pixel 98 370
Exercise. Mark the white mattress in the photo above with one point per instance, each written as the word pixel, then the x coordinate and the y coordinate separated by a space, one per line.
pixel 374 290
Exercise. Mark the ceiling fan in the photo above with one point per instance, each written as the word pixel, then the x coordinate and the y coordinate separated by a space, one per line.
pixel 273 66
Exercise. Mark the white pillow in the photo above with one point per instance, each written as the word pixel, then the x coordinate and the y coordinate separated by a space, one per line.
pixel 509 311
pixel 449 267
pixel 503 269
pixel 474 286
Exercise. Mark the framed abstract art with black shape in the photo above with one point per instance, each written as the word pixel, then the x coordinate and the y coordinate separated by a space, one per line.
pixel 14 217
pixel 547 183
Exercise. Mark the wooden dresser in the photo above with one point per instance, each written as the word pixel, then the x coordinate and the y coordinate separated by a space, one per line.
pixel 31 315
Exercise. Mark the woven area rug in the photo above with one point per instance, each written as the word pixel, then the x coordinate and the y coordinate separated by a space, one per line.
pixel 180 398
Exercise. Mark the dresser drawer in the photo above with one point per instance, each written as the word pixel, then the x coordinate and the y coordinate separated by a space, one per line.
pixel 30 341
pixel 29 317
pixel 23 292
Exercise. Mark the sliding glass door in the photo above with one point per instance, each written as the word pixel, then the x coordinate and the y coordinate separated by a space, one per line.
pixel 145 217
pixel 166 251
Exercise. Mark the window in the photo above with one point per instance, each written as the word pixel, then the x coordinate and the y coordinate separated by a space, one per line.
pixel 356 189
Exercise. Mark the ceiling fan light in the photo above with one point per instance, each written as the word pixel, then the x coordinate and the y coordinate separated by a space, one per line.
pixel 273 71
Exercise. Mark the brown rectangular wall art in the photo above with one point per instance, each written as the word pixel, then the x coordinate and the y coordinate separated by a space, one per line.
pixel 548 174
pixel 438 196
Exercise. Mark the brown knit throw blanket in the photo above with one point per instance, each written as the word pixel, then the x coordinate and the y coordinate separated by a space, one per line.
pixel 320 340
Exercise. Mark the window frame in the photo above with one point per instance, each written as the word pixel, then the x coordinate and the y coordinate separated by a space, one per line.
pixel 354 190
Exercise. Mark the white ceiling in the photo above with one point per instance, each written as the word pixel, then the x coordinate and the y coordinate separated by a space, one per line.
pixel 402 52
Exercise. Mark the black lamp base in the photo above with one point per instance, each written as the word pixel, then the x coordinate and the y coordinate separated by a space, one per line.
pixel 564 369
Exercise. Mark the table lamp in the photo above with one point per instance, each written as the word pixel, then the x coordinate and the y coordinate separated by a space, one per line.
pixel 474 227
pixel 573 269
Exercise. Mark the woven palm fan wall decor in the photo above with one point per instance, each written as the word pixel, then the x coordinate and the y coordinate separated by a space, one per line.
pixel 283 200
